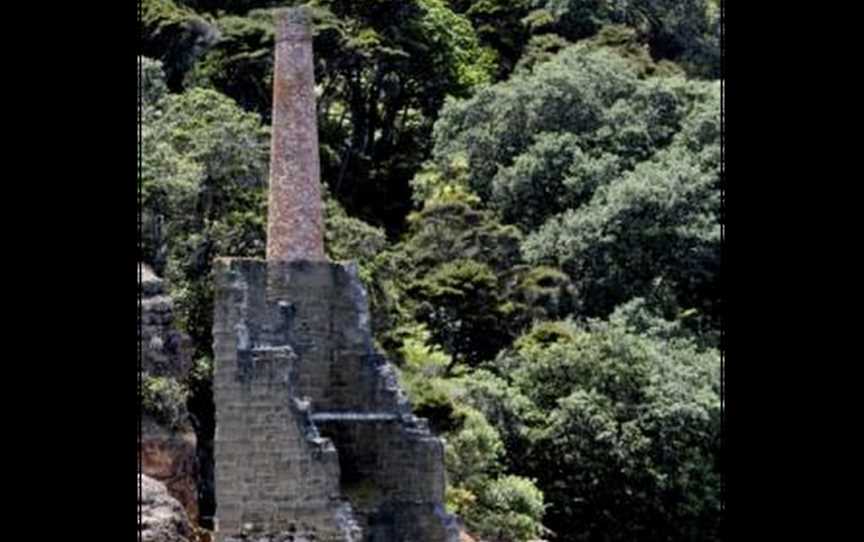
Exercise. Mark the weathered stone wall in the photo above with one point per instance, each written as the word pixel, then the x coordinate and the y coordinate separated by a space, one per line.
pixel 294 363
pixel 273 473
pixel 392 473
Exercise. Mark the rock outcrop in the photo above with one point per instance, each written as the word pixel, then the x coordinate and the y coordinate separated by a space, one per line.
pixel 169 456
pixel 168 451
pixel 162 518
pixel 165 350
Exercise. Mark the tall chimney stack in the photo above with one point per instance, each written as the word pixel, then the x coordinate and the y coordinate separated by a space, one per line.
pixel 295 229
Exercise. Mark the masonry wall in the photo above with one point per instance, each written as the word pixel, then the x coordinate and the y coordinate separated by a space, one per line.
pixel 313 434
pixel 393 474
pixel 270 470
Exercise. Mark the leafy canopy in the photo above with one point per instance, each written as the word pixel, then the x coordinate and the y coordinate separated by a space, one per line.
pixel 614 177
pixel 628 447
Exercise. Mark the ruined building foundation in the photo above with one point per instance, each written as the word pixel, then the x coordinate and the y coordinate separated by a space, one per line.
pixel 314 439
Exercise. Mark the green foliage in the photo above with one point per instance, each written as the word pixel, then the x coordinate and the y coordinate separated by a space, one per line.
pixel 423 377
pixel 615 176
pixel 570 95
pixel 444 232
pixel 509 508
pixel 202 371
pixel 240 63
pixel 474 451
pixel 164 399
pixel 494 505
pixel 512 414
pixel 656 229
pixel 625 41
pixel 543 334
pixel 533 186
pixel 230 143
pixel 236 7
pixel 461 304
pixel 583 184
pixel 385 70
pixel 572 19
pixel 151 84
pixel 433 186
pixel 175 35
pixel 499 26
pixel 203 170
pixel 543 293
pixel 685 31
pixel 347 238
pixel 526 295
pixel 473 64
pixel 422 359
pixel 539 49
pixel 647 318
pixel 459 270
pixel 548 373
pixel 628 449
pixel 199 384
pixel 557 133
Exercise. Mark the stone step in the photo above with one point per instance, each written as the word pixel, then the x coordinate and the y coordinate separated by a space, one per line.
pixel 354 417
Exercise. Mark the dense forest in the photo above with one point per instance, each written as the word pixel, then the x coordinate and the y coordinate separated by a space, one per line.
pixel 532 191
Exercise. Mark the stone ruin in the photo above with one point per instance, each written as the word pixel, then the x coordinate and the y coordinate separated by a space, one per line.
pixel 314 439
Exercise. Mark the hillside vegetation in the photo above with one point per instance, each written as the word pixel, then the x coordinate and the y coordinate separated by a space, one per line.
pixel 532 190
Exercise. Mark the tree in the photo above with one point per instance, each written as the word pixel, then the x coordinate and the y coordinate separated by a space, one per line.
pixel 447 231
pixel 628 446
pixel 460 271
pixel 240 63
pixel 383 69
pixel 499 26
pixel 461 304
pixel 570 95
pixel 347 238
pixel 175 35
pixel 572 19
pixel 588 99
pixel 654 233
pixel 685 31
pixel 541 253
pixel 440 233
pixel 507 409
pixel 234 7
pixel 553 174
pixel 494 504
pixel 614 175
pixel 202 182
pixel 151 84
